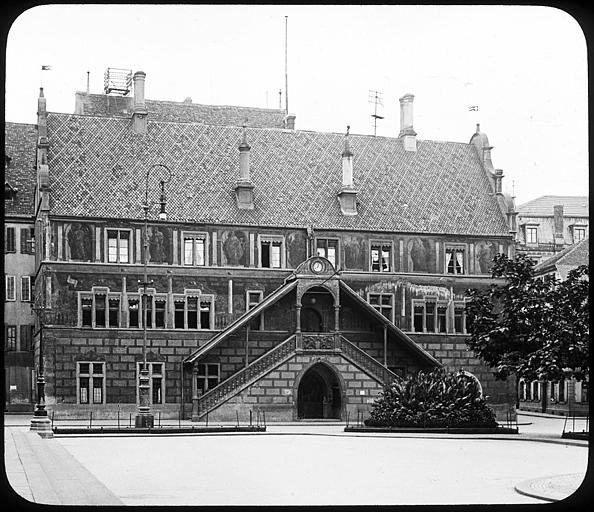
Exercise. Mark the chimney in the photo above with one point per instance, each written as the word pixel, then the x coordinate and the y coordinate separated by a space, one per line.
pixel 558 223
pixel 512 216
pixel 244 188
pixel 290 121
pixel 139 112
pixel 407 133
pixel 347 197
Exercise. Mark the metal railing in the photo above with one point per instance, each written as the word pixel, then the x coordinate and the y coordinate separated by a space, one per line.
pixel 246 376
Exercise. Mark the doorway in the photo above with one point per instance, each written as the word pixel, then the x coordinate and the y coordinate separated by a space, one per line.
pixel 318 395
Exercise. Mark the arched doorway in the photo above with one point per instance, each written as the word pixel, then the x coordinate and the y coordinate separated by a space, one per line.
pixel 317 310
pixel 318 395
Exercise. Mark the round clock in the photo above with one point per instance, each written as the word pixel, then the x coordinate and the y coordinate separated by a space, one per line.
pixel 317 266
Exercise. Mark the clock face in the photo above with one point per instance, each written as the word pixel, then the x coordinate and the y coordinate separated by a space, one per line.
pixel 317 266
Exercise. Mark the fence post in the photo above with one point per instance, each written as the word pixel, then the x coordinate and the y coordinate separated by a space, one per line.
pixel 207 420
pixel 90 419
pixel 250 418
pixel 159 419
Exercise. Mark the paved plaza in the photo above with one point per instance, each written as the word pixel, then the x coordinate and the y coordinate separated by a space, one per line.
pixel 297 464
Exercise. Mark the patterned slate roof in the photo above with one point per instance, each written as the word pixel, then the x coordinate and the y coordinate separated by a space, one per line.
pixel 573 206
pixel 20 146
pixel 183 112
pixel 97 164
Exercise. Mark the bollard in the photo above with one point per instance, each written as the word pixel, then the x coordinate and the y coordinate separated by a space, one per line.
pixel 237 418
pixel 250 418
pixel 90 419
pixel 159 419
pixel 130 420
pixel 347 418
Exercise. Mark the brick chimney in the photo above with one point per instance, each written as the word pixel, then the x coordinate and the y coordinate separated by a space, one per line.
pixel 139 111
pixel 407 133
pixel 347 197
pixel 498 179
pixel 558 223
pixel 244 188
pixel 290 121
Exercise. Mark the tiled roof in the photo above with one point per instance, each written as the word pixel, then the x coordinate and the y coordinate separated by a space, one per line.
pixel 573 206
pixel 572 256
pixel 183 112
pixel 20 146
pixel 98 165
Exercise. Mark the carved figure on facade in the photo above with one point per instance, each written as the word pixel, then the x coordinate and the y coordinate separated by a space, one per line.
pixel 79 242
pixel 234 243
pixel 484 254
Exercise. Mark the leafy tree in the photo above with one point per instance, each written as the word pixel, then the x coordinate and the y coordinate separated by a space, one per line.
pixel 432 399
pixel 536 328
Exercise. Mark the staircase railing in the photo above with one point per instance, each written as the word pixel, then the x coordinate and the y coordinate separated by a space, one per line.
pixel 246 376
pixel 364 361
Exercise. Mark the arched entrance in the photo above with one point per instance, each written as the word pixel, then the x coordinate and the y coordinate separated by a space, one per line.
pixel 317 310
pixel 318 395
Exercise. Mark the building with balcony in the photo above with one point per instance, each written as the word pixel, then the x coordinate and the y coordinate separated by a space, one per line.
pixel 297 272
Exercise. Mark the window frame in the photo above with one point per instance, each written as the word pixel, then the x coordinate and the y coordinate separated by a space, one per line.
pixel 10 239
pixel 91 375
pixel 533 228
pixel 458 305
pixel 11 338
pixel 209 298
pixel 436 304
pixel 152 377
pixel 26 297
pixel 455 248
pixel 580 229
pixel 380 306
pixel 10 297
pixel 206 376
pixel 272 240
pixel 92 296
pixel 249 304
pixel 194 235
pixel 381 243
pixel 328 239
pixel 118 261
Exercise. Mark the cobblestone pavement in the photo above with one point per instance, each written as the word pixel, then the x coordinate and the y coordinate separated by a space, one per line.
pixel 300 464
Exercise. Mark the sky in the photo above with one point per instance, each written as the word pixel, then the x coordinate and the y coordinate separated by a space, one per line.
pixel 524 67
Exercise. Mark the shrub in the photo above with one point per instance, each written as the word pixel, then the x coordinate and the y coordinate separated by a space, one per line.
pixel 432 399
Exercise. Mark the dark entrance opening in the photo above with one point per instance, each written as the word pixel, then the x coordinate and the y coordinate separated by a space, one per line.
pixel 318 396
pixel 311 320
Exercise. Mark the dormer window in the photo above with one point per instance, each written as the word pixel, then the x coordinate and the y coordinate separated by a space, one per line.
pixel 9 192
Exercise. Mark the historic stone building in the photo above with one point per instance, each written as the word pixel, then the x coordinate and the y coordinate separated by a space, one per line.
pixel 295 272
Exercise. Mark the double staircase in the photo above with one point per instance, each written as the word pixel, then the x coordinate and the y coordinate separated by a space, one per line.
pixel 294 344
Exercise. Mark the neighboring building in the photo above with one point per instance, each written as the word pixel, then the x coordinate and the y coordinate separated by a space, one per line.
pixel 297 272
pixel 19 264
pixel 551 223
pixel 568 396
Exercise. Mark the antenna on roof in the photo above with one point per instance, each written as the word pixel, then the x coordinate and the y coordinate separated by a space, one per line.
pixel 286 69
pixel 88 73
pixel 375 97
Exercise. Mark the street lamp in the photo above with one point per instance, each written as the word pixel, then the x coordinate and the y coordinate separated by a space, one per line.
pixel 144 418
pixel 40 421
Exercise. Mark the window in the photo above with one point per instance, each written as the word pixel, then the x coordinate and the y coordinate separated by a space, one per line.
pixel 133 312
pixel 253 298
pixel 195 249
pixel 160 308
pixel 26 337
pixel 11 338
pixel 578 234
pixel 384 303
pixel 558 391
pixel 194 311
pixel 156 381
pixel 10 288
pixel 25 288
pixel 99 309
pixel 460 317
pixel 271 252
pixel 531 234
pixel 522 390
pixel 118 246
pixel 455 260
pixel 381 257
pixel 27 241
pixel 207 377
pixel 9 241
pixel 430 315
pixel 91 382
pixel 535 390
pixel 156 307
pixel 328 248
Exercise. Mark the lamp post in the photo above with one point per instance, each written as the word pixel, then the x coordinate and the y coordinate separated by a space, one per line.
pixel 40 421
pixel 144 418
